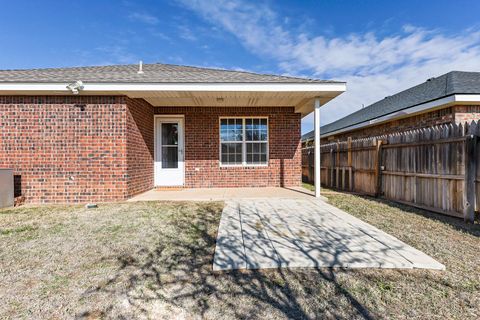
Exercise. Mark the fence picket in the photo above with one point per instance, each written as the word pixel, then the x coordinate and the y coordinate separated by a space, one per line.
pixel 433 168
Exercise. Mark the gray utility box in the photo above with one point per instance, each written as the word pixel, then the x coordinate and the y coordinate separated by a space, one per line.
pixel 6 188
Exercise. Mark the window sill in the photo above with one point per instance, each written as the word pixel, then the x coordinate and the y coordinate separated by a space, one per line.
pixel 246 166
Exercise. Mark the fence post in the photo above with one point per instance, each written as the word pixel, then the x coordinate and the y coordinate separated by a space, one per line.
pixel 337 168
pixel 378 163
pixel 469 192
pixel 332 165
pixel 349 163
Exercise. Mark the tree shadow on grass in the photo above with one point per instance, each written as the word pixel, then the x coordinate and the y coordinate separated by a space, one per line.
pixel 176 275
pixel 457 223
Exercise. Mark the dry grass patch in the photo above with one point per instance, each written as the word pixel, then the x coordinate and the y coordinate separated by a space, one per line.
pixel 154 260
pixel 452 294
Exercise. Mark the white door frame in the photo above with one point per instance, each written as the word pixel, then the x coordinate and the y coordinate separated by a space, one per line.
pixel 173 117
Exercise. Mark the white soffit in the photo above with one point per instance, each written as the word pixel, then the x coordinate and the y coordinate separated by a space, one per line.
pixel 299 95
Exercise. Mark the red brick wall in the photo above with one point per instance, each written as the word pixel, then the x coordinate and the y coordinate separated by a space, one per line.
pixel 202 167
pixel 140 146
pixel 466 113
pixel 99 149
pixel 60 153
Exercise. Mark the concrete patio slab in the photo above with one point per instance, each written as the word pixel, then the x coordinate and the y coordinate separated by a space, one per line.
pixel 305 232
pixel 221 194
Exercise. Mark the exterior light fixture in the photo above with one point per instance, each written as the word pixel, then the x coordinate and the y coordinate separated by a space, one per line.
pixel 75 87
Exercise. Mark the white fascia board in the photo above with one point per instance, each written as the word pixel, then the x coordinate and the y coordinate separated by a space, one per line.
pixel 457 98
pixel 138 87
pixel 467 97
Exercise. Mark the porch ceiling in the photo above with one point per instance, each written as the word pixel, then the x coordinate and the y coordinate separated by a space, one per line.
pixel 302 101
pixel 298 95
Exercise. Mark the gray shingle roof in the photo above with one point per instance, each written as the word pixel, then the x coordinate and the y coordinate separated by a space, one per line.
pixel 454 82
pixel 153 73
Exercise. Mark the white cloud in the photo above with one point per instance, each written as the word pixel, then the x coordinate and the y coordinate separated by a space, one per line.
pixel 373 66
pixel 144 17
pixel 185 33
pixel 116 54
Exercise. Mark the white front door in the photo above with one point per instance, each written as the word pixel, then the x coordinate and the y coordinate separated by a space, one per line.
pixel 169 151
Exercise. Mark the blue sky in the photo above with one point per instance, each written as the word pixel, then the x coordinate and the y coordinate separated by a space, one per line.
pixel 378 47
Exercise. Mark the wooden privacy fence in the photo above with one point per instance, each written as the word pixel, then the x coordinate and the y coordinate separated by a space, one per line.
pixel 434 168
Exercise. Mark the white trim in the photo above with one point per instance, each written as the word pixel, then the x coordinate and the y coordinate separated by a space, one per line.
pixel 421 108
pixel 317 155
pixel 173 117
pixel 467 97
pixel 138 87
pixel 244 142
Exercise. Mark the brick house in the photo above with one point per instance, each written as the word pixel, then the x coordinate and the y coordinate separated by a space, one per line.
pixel 450 98
pixel 108 133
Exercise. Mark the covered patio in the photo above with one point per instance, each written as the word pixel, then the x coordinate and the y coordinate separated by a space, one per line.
pixel 128 129
pixel 221 194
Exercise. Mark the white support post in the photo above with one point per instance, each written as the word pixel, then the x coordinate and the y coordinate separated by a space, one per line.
pixel 316 125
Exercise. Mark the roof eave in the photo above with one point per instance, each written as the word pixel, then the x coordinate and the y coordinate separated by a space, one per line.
pixel 429 106
pixel 92 87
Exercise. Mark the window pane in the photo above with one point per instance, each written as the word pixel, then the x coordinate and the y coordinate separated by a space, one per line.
pixel 256 129
pixel 256 153
pixel 223 135
pixel 238 148
pixel 231 136
pixel 248 135
pixel 231 130
pixel 263 135
pixel 231 153
pixel 231 148
pixel 223 124
pixel 169 133
pixel 169 157
pixel 256 135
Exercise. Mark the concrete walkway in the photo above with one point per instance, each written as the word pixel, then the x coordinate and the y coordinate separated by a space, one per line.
pixel 305 232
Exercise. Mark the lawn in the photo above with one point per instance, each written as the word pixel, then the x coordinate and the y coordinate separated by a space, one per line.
pixel 153 260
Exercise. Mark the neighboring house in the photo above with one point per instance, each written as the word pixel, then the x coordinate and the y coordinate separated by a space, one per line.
pixel 451 98
pixel 108 133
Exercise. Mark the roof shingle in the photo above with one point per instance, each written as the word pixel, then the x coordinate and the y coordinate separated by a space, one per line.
pixel 152 73
pixel 454 82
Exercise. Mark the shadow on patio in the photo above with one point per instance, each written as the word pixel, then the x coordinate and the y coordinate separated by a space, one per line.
pixel 176 279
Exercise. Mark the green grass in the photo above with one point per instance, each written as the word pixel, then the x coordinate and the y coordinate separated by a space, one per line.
pixel 20 229
pixel 308 186
pixel 154 260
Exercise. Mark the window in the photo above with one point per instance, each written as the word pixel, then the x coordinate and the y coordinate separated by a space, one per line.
pixel 169 145
pixel 243 141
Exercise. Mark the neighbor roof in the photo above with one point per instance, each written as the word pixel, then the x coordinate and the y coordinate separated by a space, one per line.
pixel 454 82
pixel 152 73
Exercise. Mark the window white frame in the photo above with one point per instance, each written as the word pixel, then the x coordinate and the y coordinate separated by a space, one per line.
pixel 243 142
